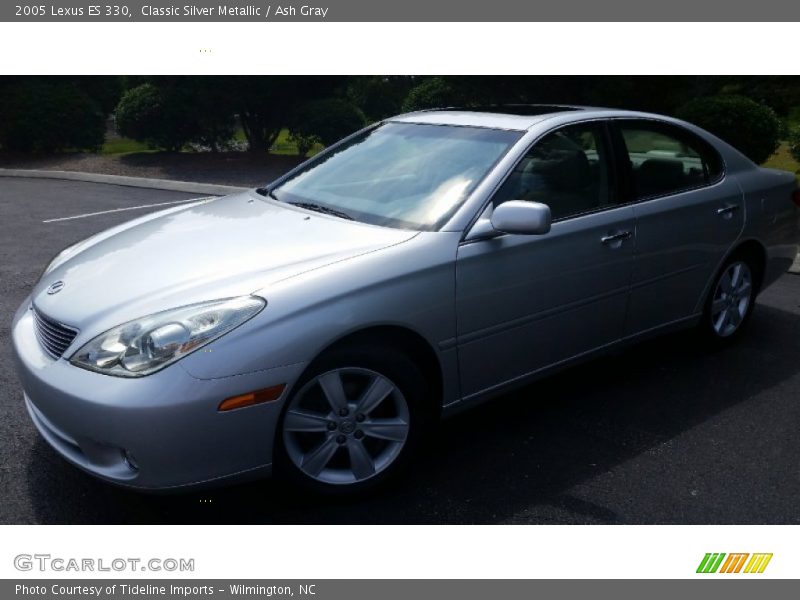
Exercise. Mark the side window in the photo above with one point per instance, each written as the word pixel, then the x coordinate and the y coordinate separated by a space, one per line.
pixel 568 170
pixel 665 159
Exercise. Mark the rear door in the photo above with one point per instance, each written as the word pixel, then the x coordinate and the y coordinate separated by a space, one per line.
pixel 688 214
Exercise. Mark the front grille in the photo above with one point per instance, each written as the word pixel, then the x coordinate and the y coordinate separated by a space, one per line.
pixel 54 337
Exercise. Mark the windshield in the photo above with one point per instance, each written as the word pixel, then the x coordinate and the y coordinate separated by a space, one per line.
pixel 399 175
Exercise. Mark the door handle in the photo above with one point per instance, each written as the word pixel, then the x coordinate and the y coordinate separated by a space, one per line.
pixel 726 210
pixel 616 237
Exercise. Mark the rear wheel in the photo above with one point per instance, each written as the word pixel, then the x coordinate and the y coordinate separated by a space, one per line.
pixel 353 422
pixel 731 301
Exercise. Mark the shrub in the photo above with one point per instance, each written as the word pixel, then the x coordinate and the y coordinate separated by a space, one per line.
pixel 753 128
pixel 146 114
pixel 39 115
pixel 324 121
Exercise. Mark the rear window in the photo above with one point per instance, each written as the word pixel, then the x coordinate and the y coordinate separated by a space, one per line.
pixel 665 159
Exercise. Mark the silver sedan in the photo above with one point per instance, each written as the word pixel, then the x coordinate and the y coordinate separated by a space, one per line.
pixel 320 325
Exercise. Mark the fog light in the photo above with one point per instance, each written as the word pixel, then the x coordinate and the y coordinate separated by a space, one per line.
pixel 130 460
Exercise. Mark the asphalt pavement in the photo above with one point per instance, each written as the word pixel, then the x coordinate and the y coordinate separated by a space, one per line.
pixel 665 432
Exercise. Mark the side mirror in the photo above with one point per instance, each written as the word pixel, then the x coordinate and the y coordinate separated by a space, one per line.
pixel 522 217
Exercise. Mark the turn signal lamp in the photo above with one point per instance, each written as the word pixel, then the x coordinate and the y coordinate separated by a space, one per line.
pixel 249 399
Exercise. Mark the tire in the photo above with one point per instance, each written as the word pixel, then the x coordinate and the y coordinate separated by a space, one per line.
pixel 353 421
pixel 731 300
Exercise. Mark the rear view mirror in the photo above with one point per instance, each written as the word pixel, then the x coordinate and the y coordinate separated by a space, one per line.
pixel 521 217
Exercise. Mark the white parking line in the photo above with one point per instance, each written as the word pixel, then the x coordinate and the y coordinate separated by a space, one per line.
pixel 113 210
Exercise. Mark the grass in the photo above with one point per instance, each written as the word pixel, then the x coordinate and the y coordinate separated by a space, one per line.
pixel 121 145
pixel 282 146
pixel 783 160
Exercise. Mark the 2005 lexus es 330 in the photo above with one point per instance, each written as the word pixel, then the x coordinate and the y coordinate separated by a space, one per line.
pixel 318 325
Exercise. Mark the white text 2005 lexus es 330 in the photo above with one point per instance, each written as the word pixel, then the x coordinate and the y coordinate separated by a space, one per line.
pixel 318 325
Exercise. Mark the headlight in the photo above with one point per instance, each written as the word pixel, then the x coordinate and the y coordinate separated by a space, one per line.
pixel 144 346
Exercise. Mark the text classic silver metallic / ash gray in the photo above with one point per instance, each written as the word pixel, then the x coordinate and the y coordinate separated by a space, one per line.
pixel 318 325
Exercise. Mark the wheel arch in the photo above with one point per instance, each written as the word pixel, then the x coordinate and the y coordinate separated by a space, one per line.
pixel 754 249
pixel 405 339
pixel 750 247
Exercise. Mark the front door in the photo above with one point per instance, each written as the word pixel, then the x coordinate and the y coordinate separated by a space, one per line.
pixel 526 302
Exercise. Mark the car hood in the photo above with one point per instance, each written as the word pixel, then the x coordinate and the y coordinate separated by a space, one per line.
pixel 214 249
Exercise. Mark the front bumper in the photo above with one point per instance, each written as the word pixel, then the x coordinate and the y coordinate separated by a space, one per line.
pixel 167 423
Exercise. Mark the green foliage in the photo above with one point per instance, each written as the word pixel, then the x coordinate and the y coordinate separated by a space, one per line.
pixel 781 93
pixel 325 122
pixel 379 97
pixel 651 93
pixel 265 105
pixel 303 142
pixel 212 108
pixel 794 143
pixel 753 128
pixel 169 114
pixel 142 115
pixel 49 115
pixel 105 90
pixel 434 92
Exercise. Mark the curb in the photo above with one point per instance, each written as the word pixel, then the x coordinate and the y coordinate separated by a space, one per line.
pixel 191 187
pixel 795 268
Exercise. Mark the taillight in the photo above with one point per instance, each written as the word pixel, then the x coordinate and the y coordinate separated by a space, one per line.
pixel 796 197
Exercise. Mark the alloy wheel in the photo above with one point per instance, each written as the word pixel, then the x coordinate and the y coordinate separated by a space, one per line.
pixel 346 425
pixel 732 299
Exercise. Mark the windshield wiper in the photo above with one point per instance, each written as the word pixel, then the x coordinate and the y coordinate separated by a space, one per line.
pixel 264 191
pixel 323 209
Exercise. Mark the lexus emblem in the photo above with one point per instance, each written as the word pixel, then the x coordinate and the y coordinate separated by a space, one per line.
pixel 55 287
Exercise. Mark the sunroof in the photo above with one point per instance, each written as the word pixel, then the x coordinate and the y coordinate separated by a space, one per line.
pixel 523 110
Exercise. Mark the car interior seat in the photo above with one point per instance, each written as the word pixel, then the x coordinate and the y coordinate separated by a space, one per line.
pixel 658 175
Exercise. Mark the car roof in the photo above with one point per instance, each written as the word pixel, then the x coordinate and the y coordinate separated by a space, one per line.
pixel 517 117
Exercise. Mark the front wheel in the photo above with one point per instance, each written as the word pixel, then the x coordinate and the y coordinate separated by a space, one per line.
pixel 731 301
pixel 353 421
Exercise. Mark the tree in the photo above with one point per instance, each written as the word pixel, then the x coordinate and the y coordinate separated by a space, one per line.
pixel 753 128
pixel 265 104
pixel 325 122
pixel 49 115
pixel 379 96
pixel 433 92
pixel 781 93
pixel 105 90
pixel 208 104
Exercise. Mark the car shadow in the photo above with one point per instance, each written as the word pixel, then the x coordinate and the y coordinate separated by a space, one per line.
pixel 493 463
